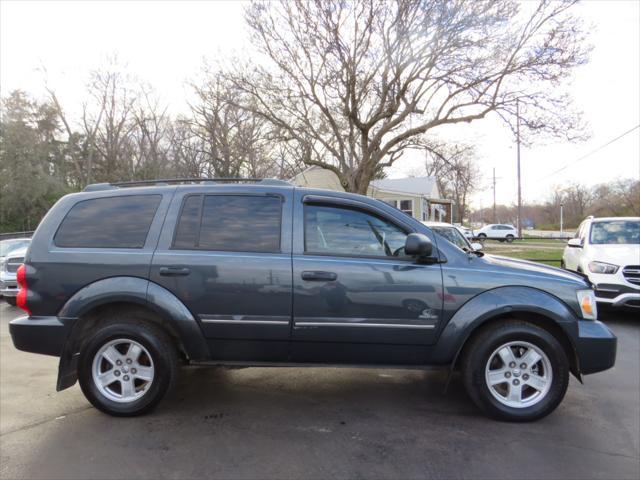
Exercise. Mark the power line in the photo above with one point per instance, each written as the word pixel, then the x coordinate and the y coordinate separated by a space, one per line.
pixel 590 153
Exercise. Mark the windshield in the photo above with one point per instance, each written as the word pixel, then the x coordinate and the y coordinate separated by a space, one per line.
pixel 7 246
pixel 454 236
pixel 615 232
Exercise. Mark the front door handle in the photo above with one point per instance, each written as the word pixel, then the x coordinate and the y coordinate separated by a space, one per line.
pixel 319 276
pixel 174 271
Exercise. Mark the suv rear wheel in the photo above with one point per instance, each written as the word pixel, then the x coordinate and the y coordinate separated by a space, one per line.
pixel 516 371
pixel 127 367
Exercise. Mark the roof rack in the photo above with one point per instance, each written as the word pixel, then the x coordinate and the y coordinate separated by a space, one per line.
pixel 94 187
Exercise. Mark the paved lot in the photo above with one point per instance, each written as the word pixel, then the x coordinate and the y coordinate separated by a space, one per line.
pixel 316 423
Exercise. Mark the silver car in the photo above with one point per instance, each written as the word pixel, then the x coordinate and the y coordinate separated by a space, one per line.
pixel 454 235
pixel 7 246
pixel 8 268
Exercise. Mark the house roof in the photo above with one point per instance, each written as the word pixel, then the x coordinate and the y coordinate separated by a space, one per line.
pixel 415 185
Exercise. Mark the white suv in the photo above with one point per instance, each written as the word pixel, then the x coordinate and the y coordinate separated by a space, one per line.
pixel 500 232
pixel 607 250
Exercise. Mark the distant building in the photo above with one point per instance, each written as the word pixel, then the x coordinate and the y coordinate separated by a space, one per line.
pixel 416 196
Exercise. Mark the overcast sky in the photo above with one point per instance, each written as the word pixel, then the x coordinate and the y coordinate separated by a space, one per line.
pixel 164 43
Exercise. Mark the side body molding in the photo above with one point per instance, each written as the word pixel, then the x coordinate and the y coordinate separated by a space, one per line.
pixel 132 290
pixel 500 301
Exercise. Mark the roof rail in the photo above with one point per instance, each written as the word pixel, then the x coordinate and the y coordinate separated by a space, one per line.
pixel 94 187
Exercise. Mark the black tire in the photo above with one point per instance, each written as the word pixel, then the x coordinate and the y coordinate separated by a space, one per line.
pixel 510 238
pixel 11 301
pixel 161 349
pixel 477 354
pixel 482 237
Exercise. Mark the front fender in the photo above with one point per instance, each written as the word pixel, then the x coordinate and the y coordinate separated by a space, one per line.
pixel 130 290
pixel 500 301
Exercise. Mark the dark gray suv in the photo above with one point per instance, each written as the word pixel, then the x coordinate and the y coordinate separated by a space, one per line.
pixel 125 282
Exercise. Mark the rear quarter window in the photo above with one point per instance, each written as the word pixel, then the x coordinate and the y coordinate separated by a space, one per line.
pixel 111 222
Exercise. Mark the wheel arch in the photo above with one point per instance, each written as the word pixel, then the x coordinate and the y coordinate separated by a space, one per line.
pixel 539 320
pixel 522 303
pixel 116 295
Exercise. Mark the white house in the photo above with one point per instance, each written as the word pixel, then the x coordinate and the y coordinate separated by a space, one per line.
pixel 416 196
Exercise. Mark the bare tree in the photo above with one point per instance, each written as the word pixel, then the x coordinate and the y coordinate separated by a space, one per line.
pixel 455 171
pixel 358 82
pixel 229 132
pixel 101 142
pixel 577 199
pixel 113 136
pixel 152 137
pixel 80 145
pixel 187 152
pixel 236 141
pixel 618 198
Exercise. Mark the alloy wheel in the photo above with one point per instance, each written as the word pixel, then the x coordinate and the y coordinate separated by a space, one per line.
pixel 122 370
pixel 519 374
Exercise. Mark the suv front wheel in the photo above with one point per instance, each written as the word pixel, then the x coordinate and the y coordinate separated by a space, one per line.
pixel 516 371
pixel 127 367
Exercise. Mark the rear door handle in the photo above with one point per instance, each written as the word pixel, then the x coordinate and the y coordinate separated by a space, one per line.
pixel 174 271
pixel 319 276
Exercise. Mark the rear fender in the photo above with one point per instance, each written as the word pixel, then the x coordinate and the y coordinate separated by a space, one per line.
pixel 131 290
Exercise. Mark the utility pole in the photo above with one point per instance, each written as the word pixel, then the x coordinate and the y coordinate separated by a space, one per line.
pixel 561 220
pixel 494 196
pixel 519 188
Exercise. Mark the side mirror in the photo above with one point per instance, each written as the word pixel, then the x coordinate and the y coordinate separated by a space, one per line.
pixel 418 244
pixel 575 243
pixel 476 246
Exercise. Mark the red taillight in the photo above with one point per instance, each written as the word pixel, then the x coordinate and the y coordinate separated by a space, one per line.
pixel 21 278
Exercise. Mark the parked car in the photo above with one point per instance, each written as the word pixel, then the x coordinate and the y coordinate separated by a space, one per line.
pixel 466 231
pixel 124 282
pixel 607 251
pixel 7 246
pixel 13 258
pixel 454 235
pixel 498 232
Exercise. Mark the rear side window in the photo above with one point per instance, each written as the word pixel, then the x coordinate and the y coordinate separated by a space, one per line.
pixel 112 222
pixel 239 223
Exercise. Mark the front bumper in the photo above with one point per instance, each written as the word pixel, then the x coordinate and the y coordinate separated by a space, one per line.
pixel 45 335
pixel 595 347
pixel 615 290
pixel 8 287
pixel 618 296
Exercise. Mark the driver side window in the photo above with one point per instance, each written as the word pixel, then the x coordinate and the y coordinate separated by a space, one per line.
pixel 342 231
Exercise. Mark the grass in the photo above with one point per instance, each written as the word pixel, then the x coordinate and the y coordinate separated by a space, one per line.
pixel 548 252
pixel 550 241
